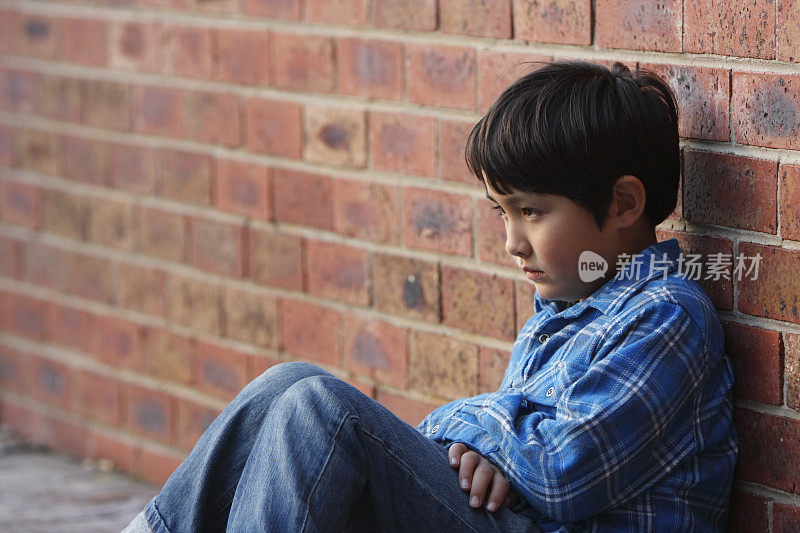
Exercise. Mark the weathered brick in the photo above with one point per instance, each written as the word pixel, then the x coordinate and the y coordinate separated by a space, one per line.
pixel 84 41
pixel 366 210
pixel 63 214
pixel 274 127
pixel 133 168
pixel 150 413
pixel 442 366
pixel 493 364
pixel 106 104
pixel 352 12
pixel 405 14
pixel 335 136
pixel 639 25
pixel 251 318
pixel 21 204
pixel 97 396
pixel 242 188
pixel 37 151
pixel 789 176
pixel 275 9
pixel 524 296
pixel 40 36
pixel 115 341
pixel 221 371
pixel 19 90
pixel 480 18
pixel 303 62
pixel 109 223
pixel 54 382
pixel 63 435
pixel 748 512
pixel 435 220
pixel 411 410
pixel 785 518
pixel 406 286
pixel 186 51
pixel 85 160
pixel 441 75
pixel 276 259
pixel 714 182
pixel 452 142
pixel 160 234
pixel 734 28
pixel 477 302
pixel 562 22
pixel 15 372
pixel 491 235
pixel 7 134
pixel 10 257
pixel 243 56
pixel 402 143
pixel 186 177
pixel 168 356
pixel 91 277
pixel 212 117
pixel 311 331
pixel 791 344
pixel 766 109
pixel 106 445
pixel 192 420
pixel 156 466
pixel 142 289
pixel 216 6
pixel 217 247
pixel 370 68
pixel 375 348
pixel 302 198
pixel 70 327
pixel 59 97
pixel 702 94
pixel 766 453
pixel 338 271
pixel 159 110
pixel 757 362
pixel 258 364
pixel 788 31
pixel 134 45
pixel 775 293
pixel 195 303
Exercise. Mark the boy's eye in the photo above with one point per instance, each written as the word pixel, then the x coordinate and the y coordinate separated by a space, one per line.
pixel 527 211
pixel 499 210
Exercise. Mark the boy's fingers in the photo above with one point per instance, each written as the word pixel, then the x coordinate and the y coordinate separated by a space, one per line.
pixel 500 490
pixel 483 475
pixel 455 452
pixel 465 472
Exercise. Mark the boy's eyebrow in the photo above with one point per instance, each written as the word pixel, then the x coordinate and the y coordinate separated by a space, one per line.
pixel 514 198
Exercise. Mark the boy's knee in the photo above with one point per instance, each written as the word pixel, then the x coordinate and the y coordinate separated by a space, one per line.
pixel 292 371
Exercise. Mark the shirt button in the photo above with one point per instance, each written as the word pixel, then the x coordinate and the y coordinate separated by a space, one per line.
pixel 435 428
pixel 543 338
pixel 550 392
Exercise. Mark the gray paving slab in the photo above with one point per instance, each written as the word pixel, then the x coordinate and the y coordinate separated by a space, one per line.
pixel 44 491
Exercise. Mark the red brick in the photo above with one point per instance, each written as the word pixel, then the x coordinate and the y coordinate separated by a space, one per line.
pixel 302 198
pixel 216 6
pixel 243 56
pixel 59 98
pixel 276 259
pixel 11 29
pixel 791 343
pixel 133 168
pixel 40 36
pixel 352 12
pixel 788 30
pixel 768 453
pixel 561 22
pixel 251 318
pixel 186 177
pixel 478 303
pixel 242 188
pixel 63 436
pixel 434 220
pixel 54 382
pixel 274 127
pixel 193 420
pixel 452 142
pixel 186 51
pixel 97 396
pixel 493 365
pixel 337 271
pixel 639 25
pixel 766 108
pixel 21 204
pixel 480 18
pixel 258 364
pixel 38 151
pixel 774 294
pixel 109 223
pixel 115 341
pixel 160 234
pixel 92 278
pixel 85 160
pixel 221 371
pixel 735 28
pixel 441 76
pixel 9 257
pixel 217 247
pixel 26 316
pixel 149 413
pixel 375 348
pixel 142 289
pixel 757 362
pixel 159 111
pixel 105 445
pixel 703 96
pixel 406 14
pixel 167 356
pixel 366 210
pixel 748 512
pixel 19 90
pixel 196 304
pixel 406 286
pixel 334 136
pixel 311 331
pixel 303 62
pixel 155 466
pixel 410 410
pixel 63 214
pixel 134 45
pixel 789 187
pixel 524 296
pixel 368 389
pixel 106 104
pixel 211 117
pixel 785 518
pixel 491 236
pixel 70 327
pixel 714 182
pixel 7 144
pixel 402 143
pixel 370 68
pixel 15 374
pixel 441 365
pixel 275 9
pixel 84 41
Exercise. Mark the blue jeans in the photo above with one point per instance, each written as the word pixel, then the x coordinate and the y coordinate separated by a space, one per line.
pixel 301 450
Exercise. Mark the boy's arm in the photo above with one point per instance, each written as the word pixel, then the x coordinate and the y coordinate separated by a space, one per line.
pixel 621 426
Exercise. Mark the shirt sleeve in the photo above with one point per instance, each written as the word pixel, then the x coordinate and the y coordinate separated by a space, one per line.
pixel 624 423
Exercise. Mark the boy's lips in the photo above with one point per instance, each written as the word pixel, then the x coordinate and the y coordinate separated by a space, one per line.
pixel 532 274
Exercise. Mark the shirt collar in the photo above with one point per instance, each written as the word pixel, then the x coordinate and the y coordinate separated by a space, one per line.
pixel 614 292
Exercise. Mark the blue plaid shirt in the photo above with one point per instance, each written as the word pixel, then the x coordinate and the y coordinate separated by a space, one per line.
pixel 615 413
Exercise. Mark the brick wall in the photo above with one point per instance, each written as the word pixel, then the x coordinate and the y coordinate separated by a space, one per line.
pixel 194 190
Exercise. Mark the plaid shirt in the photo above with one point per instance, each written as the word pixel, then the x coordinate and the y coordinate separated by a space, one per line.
pixel 615 413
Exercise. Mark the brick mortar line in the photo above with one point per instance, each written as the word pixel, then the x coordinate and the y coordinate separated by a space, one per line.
pixel 302 27
pixel 782 411
pixel 786 498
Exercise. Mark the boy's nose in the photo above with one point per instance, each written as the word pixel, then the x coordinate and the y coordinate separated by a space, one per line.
pixel 517 243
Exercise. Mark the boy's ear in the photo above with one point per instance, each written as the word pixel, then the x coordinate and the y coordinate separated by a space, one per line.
pixel 628 200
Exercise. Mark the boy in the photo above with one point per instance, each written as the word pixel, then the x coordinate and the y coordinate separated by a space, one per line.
pixel 615 412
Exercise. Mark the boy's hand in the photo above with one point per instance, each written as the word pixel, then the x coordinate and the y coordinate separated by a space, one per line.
pixel 476 473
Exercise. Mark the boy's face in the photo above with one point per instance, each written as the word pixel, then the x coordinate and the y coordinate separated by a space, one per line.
pixel 546 233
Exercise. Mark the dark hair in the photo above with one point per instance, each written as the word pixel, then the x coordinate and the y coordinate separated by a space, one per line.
pixel 572 128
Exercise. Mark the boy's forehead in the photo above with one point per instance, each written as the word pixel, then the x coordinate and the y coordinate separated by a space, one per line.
pixel 512 197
